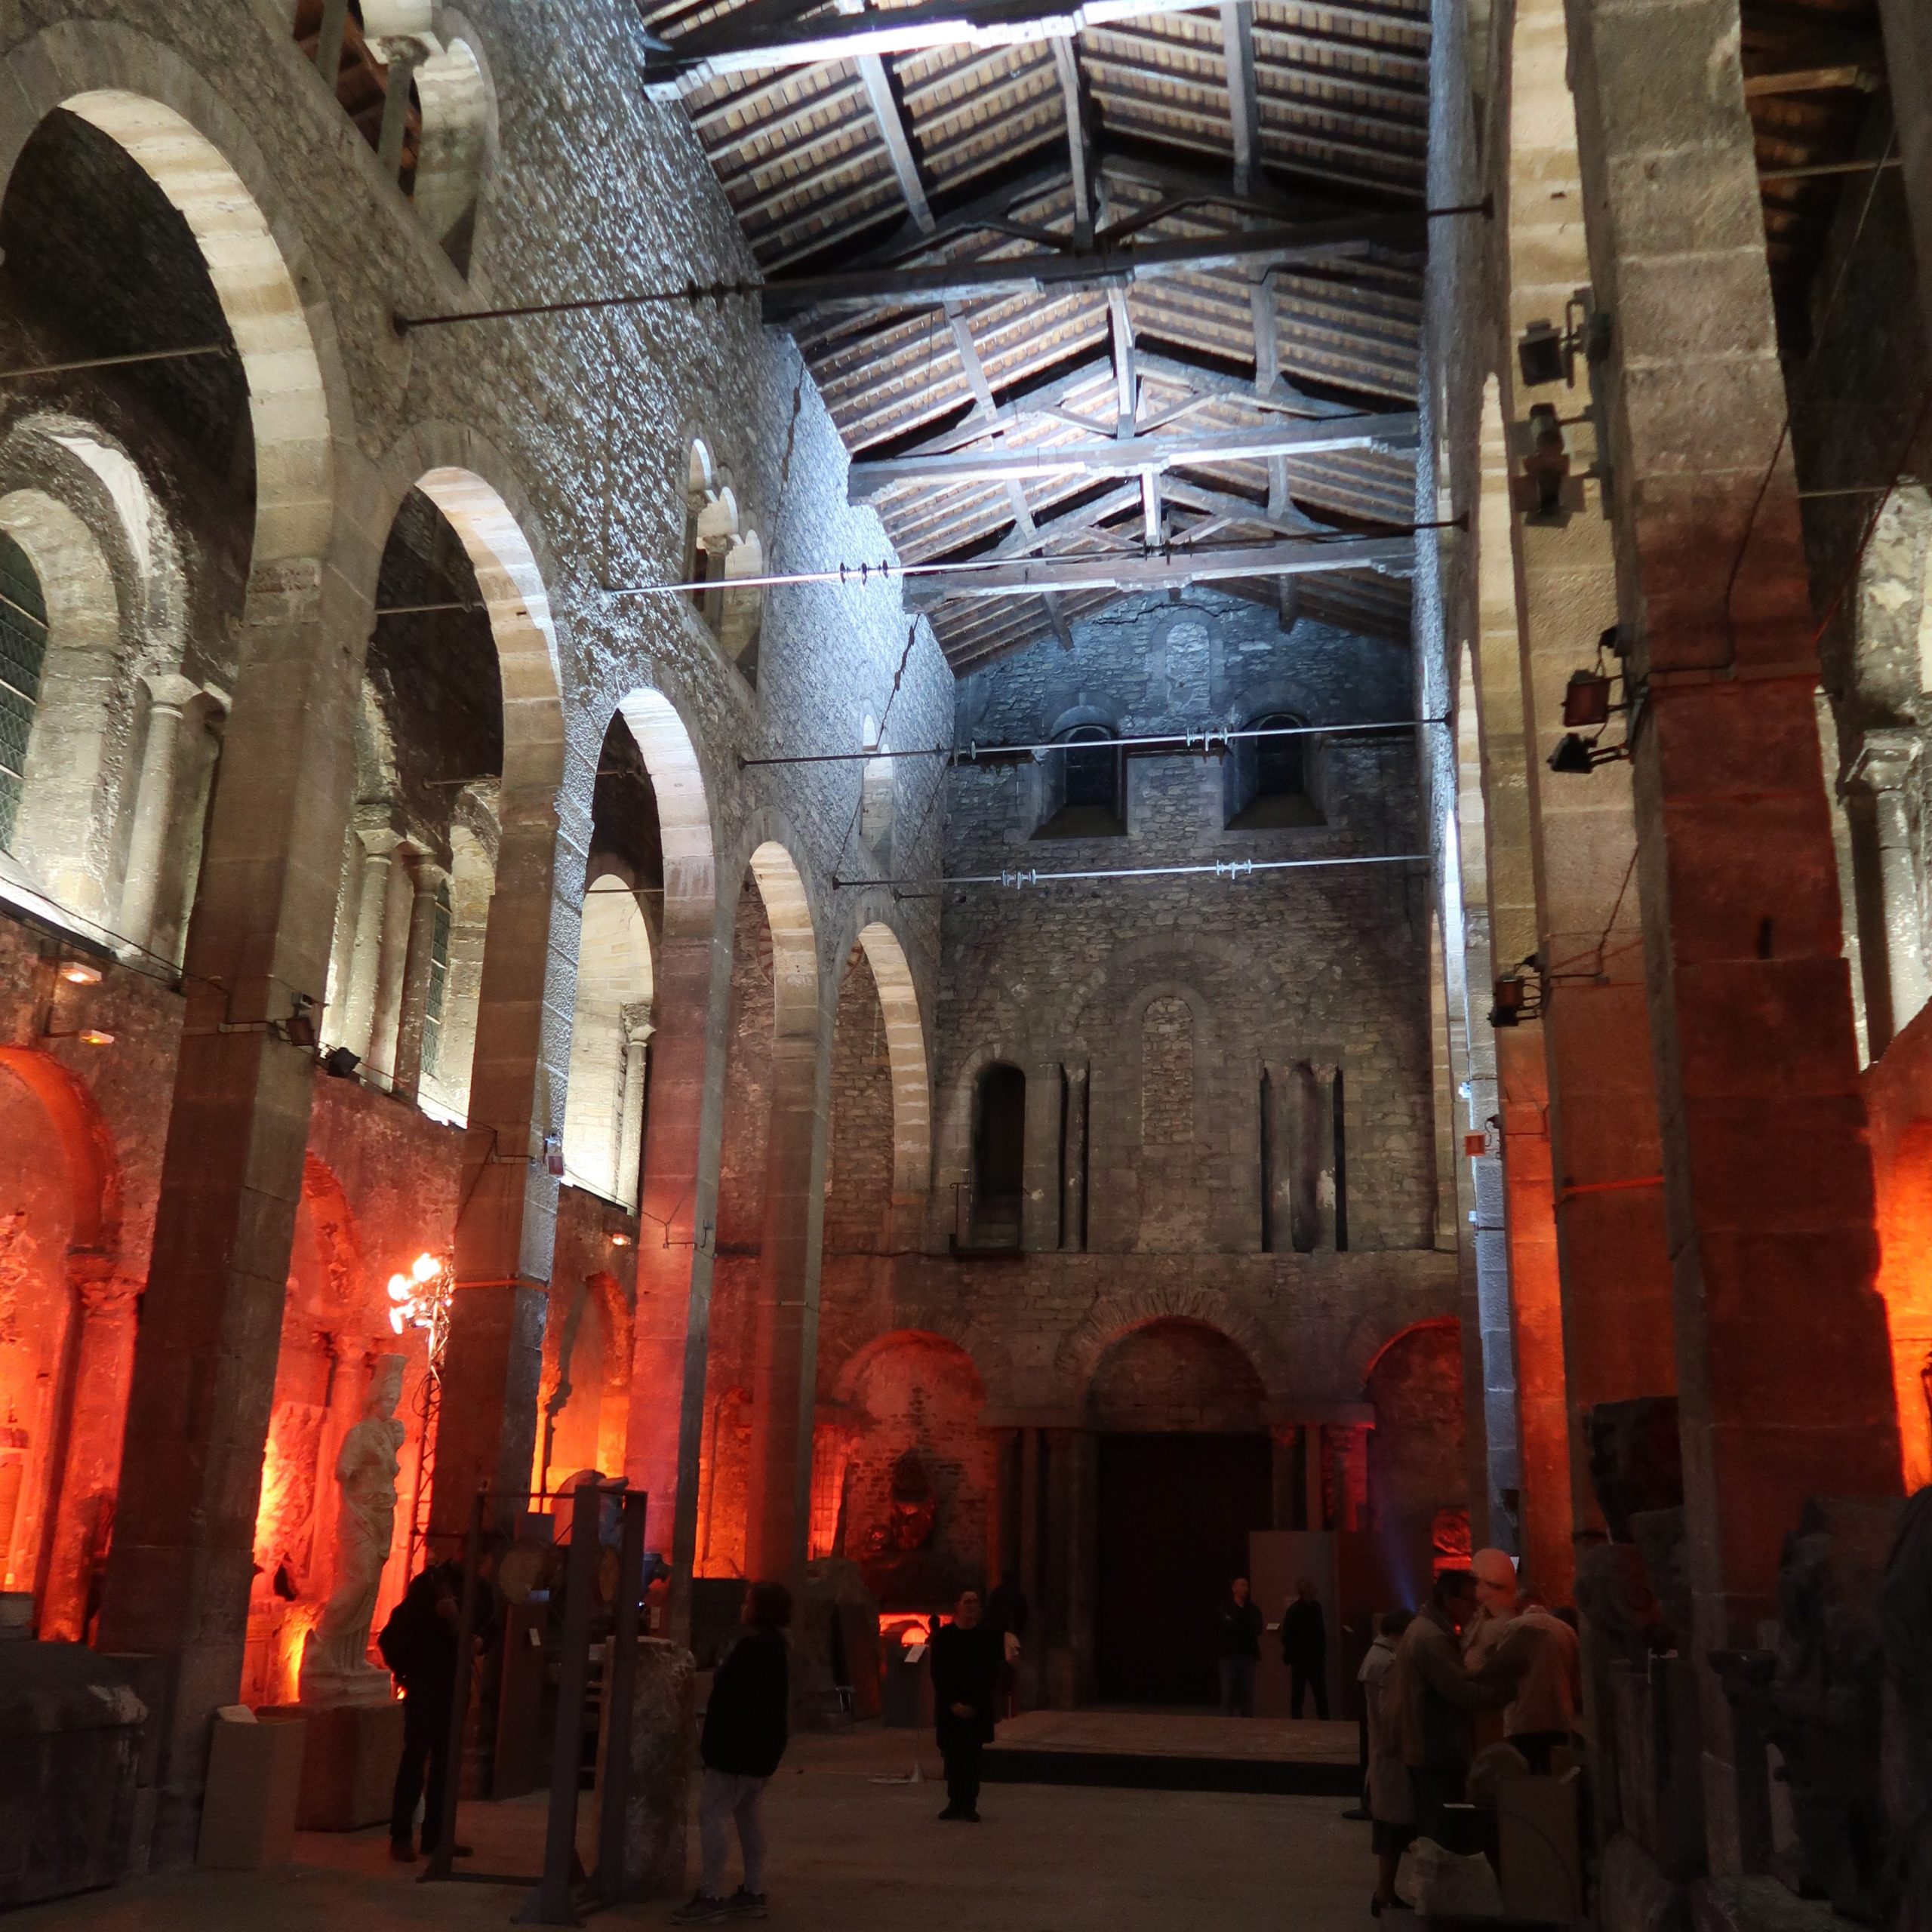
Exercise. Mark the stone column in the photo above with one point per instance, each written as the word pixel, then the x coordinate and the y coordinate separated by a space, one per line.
pixel 1315 1500
pixel 103 1358
pixel 1041 1172
pixel 1882 766
pixel 391 971
pixel 1908 30
pixel 677 1201
pixel 402 57
pixel 1073 1181
pixel 635 1022
pixel 379 840
pixel 506 1234
pixel 1279 1129
pixel 154 801
pixel 1606 1159
pixel 1536 1310
pixel 1032 1569
pixel 1784 1378
pixel 342 941
pixel 426 880
pixel 1285 1438
pixel 780 1406
pixel 204 1356
pixel 1002 1523
pixel 1057 1533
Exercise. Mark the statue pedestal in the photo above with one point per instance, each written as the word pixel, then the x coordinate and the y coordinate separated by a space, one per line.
pixel 349 1765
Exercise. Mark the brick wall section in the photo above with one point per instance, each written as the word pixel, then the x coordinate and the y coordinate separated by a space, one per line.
pixel 858 1161
pixel 1326 965
pixel 1416 1464
pixel 1174 1374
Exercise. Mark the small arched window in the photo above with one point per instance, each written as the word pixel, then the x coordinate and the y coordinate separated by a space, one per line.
pixel 878 797
pixel 1267 777
pixel 22 657
pixel 1084 787
pixel 999 1155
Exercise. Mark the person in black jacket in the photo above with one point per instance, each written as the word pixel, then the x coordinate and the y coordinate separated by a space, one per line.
pixel 966 1660
pixel 418 1643
pixel 745 1735
pixel 1238 1650
pixel 1305 1649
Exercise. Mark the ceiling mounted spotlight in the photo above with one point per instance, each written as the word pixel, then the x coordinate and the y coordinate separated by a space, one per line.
pixel 1546 468
pixel 1517 995
pixel 78 972
pixel 340 1062
pixel 1547 353
pixel 1586 699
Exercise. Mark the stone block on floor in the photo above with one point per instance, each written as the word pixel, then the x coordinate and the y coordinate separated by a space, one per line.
pixel 348 1764
pixel 663 1748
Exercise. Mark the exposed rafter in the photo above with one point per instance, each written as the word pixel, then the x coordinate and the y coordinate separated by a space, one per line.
pixel 913 285
pixel 1170 571
pixel 1243 105
pixel 1134 453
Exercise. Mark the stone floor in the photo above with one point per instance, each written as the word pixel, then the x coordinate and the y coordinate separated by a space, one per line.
pixel 852 1851
pixel 1183 1734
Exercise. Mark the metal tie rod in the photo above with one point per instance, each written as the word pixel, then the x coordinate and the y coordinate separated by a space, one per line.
pixel 116 361
pixel 1207 739
pixel 1218 869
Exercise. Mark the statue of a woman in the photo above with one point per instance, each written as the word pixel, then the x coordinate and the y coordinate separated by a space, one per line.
pixel 335 1669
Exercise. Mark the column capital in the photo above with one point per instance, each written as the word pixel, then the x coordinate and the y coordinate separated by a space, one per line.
pixel 1884 759
pixel 169 690
pixel 375 827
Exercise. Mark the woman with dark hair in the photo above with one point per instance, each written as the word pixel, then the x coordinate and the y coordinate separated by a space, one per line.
pixel 744 1735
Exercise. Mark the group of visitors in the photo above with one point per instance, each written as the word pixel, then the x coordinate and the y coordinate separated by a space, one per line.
pixel 1485 1641
pixel 1304 1637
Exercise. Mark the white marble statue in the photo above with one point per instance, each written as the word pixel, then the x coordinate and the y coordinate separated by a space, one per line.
pixel 335 1668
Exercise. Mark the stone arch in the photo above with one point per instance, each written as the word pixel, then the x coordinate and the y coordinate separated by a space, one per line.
pixel 615 982
pixel 906 1046
pixel 1174 1373
pixel 63 1404
pixel 80 66
pixel 56 830
pixel 1116 1311
pixel 794 940
pixel 684 812
pixel 512 585
pixel 1417 1473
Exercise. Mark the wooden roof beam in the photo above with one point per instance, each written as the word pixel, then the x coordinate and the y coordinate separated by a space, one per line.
pixel 1390 555
pixel 1243 105
pixel 1130 455
pixel 897 136
pixel 1066 65
pixel 922 284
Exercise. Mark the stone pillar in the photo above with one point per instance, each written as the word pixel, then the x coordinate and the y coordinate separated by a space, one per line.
pixel 1002 1517
pixel 204 1358
pixel 1606 1158
pixel 780 1405
pixel 1536 1310
pixel 1073 1182
pixel 1032 1568
pixel 1280 1128
pixel 1058 1565
pixel 1908 30
pixel 1882 766
pixel 506 1233
pixel 402 57
pixel 1785 1379
pixel 1285 1438
pixel 154 801
pixel 1041 1174
pixel 379 840
pixel 1352 1503
pixel 635 1022
pixel 426 880
pixel 1315 1503
pixel 677 1200
pixel 103 1355
pixel 391 971
pixel 342 942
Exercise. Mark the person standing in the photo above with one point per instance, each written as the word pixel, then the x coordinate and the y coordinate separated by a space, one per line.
pixel 1392 1804
pixel 1238 1650
pixel 418 1643
pixel 745 1735
pixel 1438 1700
pixel 1006 1616
pixel 1305 1649
pixel 965 1663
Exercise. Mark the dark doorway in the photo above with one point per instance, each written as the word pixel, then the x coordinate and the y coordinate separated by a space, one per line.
pixel 999 1155
pixel 1175 1511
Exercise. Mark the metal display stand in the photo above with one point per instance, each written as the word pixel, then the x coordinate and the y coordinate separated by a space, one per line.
pixel 560 1893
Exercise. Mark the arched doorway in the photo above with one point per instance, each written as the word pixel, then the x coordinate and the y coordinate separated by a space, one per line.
pixel 1185 1471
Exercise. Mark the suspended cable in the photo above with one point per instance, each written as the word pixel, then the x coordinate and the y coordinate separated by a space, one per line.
pixel 116 361
pixel 1219 868
pixel 1205 740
